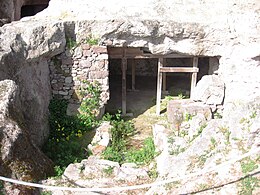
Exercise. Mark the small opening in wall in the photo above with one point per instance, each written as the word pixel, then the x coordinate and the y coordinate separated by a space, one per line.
pixel 31 10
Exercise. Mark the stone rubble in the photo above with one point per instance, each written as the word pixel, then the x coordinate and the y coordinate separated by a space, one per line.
pixel 96 172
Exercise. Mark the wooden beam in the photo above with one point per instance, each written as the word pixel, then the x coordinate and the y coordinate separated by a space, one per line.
pixel 159 87
pixel 164 77
pixel 124 66
pixel 194 76
pixel 132 61
pixel 179 69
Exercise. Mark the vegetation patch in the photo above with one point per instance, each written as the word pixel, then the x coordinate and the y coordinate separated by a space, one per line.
pixel 65 144
pixel 249 183
pixel 118 150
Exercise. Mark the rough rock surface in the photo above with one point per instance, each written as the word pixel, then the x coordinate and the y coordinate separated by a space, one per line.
pixel 96 172
pixel 216 144
pixel 101 139
pixel 179 111
pixel 209 90
pixel 23 58
pixel 19 157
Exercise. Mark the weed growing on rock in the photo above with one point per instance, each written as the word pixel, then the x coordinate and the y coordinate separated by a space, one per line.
pixel 108 171
pixel 249 183
pixel 71 44
pixel 91 40
pixel 143 155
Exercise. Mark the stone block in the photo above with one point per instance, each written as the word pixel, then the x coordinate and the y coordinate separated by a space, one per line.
pixel 84 63
pixel 177 110
pixel 98 74
pixel 87 53
pixel 63 92
pixel 99 49
pixel 77 53
pixel 68 80
pixel 85 46
pixel 67 61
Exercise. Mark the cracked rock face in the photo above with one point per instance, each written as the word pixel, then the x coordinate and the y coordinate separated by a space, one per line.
pixel 19 157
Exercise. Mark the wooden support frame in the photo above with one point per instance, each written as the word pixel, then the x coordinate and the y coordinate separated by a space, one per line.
pixel 164 79
pixel 159 86
pixel 132 64
pixel 162 70
pixel 194 76
pixel 124 67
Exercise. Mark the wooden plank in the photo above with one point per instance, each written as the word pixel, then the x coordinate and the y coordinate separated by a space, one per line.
pixel 164 77
pixel 159 87
pixel 194 76
pixel 124 66
pixel 179 69
pixel 133 73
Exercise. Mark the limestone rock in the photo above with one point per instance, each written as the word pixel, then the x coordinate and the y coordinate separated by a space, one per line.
pixel 19 157
pixel 180 110
pixel 210 90
pixel 101 139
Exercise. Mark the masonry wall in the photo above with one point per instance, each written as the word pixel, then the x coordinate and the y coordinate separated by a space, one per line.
pixel 82 63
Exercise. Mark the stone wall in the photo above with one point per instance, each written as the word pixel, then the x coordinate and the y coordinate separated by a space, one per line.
pixel 83 63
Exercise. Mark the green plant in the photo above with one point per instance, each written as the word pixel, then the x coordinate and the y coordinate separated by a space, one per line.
pixel 92 40
pixel 253 115
pixel 108 171
pixel 249 183
pixel 144 155
pixel 248 165
pixel 181 96
pixel 70 43
pixel 120 130
pixel 46 193
pixel 153 173
pixel 177 150
pixel 188 117
pixel 2 188
pixel 213 143
pixel 64 145
pixel 89 108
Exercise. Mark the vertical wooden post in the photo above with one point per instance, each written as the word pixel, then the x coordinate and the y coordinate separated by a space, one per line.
pixel 124 66
pixel 159 87
pixel 194 76
pixel 133 73
pixel 164 78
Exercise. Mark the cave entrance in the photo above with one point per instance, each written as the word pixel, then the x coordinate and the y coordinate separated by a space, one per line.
pixel 31 10
pixel 137 78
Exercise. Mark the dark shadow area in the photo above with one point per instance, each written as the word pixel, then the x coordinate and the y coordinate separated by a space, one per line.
pixel 31 10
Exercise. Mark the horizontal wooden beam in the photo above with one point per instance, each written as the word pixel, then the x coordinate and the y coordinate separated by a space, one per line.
pixel 147 56
pixel 179 69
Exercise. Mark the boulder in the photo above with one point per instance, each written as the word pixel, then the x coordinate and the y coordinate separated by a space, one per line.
pixel 181 110
pixel 209 90
pixel 19 157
